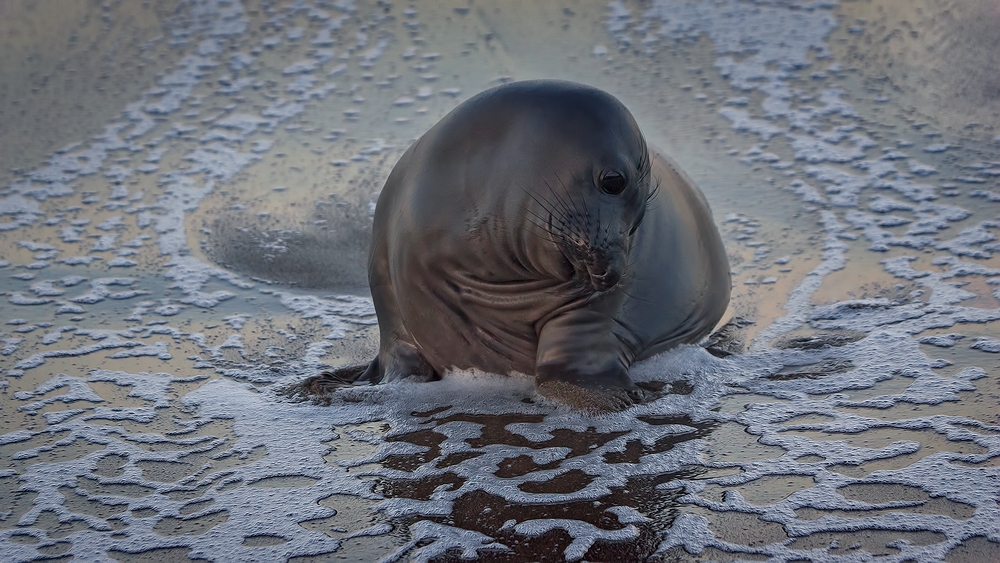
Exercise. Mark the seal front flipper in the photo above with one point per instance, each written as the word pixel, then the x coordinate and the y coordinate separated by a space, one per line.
pixel 403 362
pixel 583 363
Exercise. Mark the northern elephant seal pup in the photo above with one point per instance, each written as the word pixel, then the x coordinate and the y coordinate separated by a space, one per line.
pixel 534 230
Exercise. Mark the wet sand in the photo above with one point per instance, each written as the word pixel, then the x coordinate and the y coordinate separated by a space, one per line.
pixel 166 280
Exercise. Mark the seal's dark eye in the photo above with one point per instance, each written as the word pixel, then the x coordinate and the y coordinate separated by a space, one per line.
pixel 613 182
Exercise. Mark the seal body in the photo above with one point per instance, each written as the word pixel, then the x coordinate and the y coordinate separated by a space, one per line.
pixel 533 230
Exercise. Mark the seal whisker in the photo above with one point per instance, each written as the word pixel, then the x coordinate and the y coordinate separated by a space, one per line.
pixel 652 195
pixel 586 208
pixel 535 215
pixel 570 192
pixel 540 204
pixel 543 225
pixel 561 230
pixel 565 207
pixel 539 235
pixel 653 192
pixel 607 229
pixel 644 166
pixel 543 203
pixel 576 233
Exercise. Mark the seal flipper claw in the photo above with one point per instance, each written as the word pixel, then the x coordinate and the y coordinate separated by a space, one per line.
pixel 319 387
pixel 344 376
pixel 405 362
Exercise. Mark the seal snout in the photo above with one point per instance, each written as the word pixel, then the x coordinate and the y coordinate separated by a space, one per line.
pixel 602 269
pixel 605 279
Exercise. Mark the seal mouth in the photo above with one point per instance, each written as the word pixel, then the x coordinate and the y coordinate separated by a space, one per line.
pixel 605 279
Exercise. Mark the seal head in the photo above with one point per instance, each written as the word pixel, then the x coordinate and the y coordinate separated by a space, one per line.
pixel 588 189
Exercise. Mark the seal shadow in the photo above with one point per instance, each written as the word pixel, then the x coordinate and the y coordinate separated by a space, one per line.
pixel 330 252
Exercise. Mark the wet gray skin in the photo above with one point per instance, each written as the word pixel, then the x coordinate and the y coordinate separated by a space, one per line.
pixel 534 230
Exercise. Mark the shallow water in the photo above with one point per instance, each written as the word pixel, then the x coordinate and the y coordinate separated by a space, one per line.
pixel 187 190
